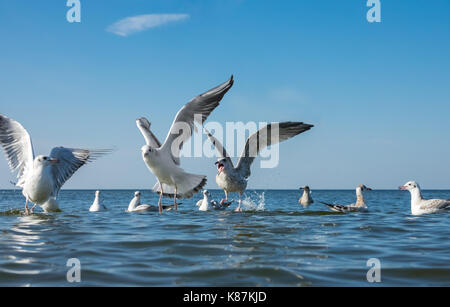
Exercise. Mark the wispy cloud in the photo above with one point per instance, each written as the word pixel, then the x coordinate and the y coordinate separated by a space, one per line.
pixel 130 25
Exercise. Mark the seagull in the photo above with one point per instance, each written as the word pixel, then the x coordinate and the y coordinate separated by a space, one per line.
pixel 40 177
pixel 135 204
pixel 234 179
pixel 421 206
pixel 164 160
pixel 96 205
pixel 203 204
pixel 359 206
pixel 306 198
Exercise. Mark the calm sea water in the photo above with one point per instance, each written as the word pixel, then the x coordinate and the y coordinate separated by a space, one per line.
pixel 274 243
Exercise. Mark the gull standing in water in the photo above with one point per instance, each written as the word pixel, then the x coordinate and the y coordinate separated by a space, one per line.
pixel 359 206
pixel 164 160
pixel 40 177
pixel 97 205
pixel 234 179
pixel 306 198
pixel 421 206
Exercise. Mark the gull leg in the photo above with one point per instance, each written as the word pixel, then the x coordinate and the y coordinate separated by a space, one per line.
pixel 27 212
pixel 175 199
pixel 222 202
pixel 32 208
pixel 160 198
pixel 238 209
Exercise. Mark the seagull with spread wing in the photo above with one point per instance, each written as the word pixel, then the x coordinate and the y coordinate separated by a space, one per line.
pixel 40 177
pixel 163 160
pixel 234 179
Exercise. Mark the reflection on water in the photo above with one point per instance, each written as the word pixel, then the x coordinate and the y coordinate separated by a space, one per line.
pixel 273 242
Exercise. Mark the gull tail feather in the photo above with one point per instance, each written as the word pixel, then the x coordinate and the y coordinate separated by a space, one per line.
pixel 187 186
pixel 337 208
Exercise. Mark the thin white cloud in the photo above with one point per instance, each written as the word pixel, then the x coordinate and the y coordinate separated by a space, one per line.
pixel 130 25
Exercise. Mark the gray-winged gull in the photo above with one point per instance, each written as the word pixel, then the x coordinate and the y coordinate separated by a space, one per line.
pixel 234 179
pixel 164 160
pixel 360 205
pixel 421 206
pixel 40 177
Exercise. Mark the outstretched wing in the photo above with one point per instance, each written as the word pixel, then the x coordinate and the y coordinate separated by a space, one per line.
pixel 69 161
pixel 18 148
pixel 269 135
pixel 219 147
pixel 196 110
pixel 144 126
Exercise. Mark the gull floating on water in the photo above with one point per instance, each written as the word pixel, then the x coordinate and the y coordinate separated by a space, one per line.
pixel 203 204
pixel 421 206
pixel 136 206
pixel 306 198
pixel 96 205
pixel 359 206
pixel 234 179
pixel 40 177
pixel 164 160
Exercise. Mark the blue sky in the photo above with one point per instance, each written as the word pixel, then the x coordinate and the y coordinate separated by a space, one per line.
pixel 377 93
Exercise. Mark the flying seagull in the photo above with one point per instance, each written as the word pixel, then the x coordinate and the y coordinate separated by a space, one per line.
pixel 234 179
pixel 40 177
pixel 360 205
pixel 163 160
pixel 422 206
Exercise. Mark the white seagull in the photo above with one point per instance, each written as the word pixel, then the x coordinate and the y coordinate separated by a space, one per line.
pixel 359 206
pixel 97 205
pixel 422 206
pixel 164 160
pixel 234 179
pixel 203 204
pixel 306 198
pixel 40 177
pixel 135 205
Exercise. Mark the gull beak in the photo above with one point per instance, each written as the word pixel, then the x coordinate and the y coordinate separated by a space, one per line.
pixel 216 163
pixel 53 160
pixel 369 189
pixel 402 187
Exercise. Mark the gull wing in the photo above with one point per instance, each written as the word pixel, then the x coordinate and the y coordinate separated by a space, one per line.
pixel 219 147
pixel 269 135
pixel 144 126
pixel 70 160
pixel 16 143
pixel 196 110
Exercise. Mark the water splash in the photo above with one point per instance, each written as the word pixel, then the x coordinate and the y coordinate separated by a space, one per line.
pixel 255 202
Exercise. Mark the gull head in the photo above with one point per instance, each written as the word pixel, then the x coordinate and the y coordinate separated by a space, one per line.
pixel 137 194
pixel 206 193
pixel 222 164
pixel 44 161
pixel 362 187
pixel 97 193
pixel 147 151
pixel 409 186
pixel 306 188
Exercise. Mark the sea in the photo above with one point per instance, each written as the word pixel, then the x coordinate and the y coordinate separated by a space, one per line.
pixel 273 242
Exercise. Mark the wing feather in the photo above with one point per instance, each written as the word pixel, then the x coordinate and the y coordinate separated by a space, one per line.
pixel 196 110
pixel 269 135
pixel 16 143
